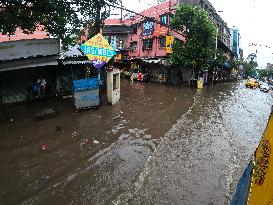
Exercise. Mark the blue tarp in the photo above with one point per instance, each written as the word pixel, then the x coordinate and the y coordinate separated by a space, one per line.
pixel 242 192
pixel 85 84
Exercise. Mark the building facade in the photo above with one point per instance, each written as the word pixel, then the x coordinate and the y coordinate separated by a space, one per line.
pixel 144 38
pixel 223 38
pixel 235 42
pixel 19 34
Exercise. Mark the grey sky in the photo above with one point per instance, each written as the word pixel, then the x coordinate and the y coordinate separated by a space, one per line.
pixel 251 17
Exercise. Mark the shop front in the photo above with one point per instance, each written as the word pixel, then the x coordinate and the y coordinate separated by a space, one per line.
pixel 28 75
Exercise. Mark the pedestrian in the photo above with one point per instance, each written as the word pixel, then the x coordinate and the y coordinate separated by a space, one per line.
pixel 41 82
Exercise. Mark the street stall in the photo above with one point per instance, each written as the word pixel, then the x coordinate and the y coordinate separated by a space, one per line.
pixel 74 65
pixel 97 50
pixel 86 93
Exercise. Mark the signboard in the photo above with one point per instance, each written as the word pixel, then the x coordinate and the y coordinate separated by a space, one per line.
pixel 113 42
pixel 148 28
pixel 169 44
pixel 148 25
pixel 160 32
pixel 147 33
pixel 98 50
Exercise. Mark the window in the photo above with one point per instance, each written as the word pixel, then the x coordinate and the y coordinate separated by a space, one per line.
pixel 134 28
pixel 133 46
pixel 164 19
pixel 147 44
pixel 162 42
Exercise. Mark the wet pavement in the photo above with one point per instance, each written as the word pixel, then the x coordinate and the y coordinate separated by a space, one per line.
pixel 159 145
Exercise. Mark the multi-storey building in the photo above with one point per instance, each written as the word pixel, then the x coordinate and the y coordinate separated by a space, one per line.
pixel 146 33
pixel 235 42
pixel 143 36
pixel 223 39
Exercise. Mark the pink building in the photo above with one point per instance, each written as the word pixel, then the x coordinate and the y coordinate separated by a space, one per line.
pixel 19 35
pixel 141 38
pixel 147 36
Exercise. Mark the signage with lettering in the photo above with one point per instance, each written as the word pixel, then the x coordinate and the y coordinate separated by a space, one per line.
pixel 169 44
pixel 148 28
pixel 148 25
pixel 98 50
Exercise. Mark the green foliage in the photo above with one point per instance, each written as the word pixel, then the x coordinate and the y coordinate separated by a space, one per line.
pixel 250 68
pixel 235 63
pixel 265 73
pixel 60 18
pixel 199 32
pixel 220 59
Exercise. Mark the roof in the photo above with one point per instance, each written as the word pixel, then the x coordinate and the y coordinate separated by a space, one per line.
pixel 72 52
pixel 14 50
pixel 154 11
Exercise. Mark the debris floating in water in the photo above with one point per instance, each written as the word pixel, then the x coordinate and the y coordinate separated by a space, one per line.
pixel 75 134
pixel 43 146
pixel 96 142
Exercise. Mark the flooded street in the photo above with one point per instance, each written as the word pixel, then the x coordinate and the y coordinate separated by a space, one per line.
pixel 159 145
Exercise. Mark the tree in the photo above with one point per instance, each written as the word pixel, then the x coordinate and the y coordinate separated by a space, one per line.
pixel 267 72
pixel 235 63
pixel 250 65
pixel 60 18
pixel 199 32
pixel 220 59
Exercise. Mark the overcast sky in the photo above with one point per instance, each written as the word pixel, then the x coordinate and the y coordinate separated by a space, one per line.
pixel 251 17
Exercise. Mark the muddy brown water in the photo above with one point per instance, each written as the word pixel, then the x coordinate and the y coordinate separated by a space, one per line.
pixel 159 145
pixel 72 169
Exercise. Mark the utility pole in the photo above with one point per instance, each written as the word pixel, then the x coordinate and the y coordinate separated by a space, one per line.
pixel 121 11
pixel 98 17
pixel 94 29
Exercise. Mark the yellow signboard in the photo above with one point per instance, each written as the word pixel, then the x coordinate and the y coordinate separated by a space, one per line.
pixel 262 178
pixel 169 44
pixel 98 50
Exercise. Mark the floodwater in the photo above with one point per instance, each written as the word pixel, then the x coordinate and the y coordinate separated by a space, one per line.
pixel 159 145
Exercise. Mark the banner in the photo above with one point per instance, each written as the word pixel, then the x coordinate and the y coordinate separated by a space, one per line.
pixel 261 192
pixel 242 192
pixel 98 50
pixel 256 184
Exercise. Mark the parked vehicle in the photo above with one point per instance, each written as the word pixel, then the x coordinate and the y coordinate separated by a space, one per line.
pixel 264 87
pixel 252 83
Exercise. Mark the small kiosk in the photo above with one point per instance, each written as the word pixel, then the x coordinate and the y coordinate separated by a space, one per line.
pixel 113 86
pixel 86 91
